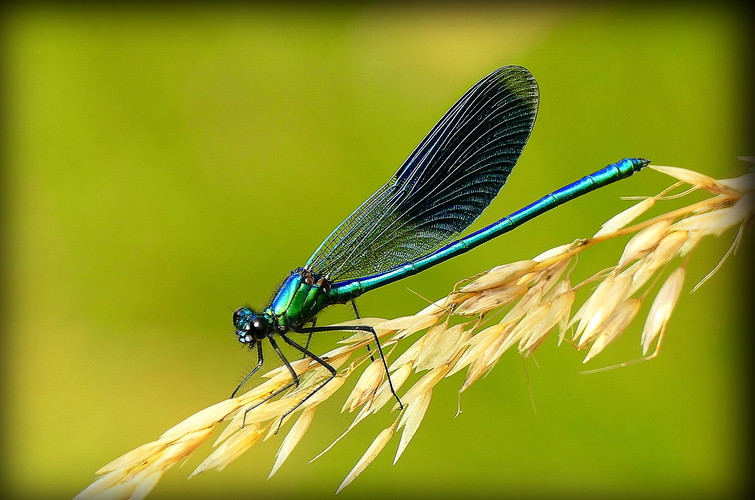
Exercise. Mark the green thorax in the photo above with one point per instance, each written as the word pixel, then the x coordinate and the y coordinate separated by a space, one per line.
pixel 298 300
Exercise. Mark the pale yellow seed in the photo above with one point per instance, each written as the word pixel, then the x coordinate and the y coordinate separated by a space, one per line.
pixel 207 417
pixel 528 300
pixel 232 448
pixel 490 299
pixel 455 351
pixel 554 252
pixel 621 219
pixel 592 304
pixel 437 308
pixel 104 483
pixel 666 250
pixel 720 201
pixel 713 222
pixel 180 449
pixel 128 488
pixel 384 394
pixel 644 241
pixel 524 327
pixel 689 176
pixel 324 393
pixel 134 456
pixel 530 278
pixel 742 184
pixel 545 278
pixel 552 274
pixel 292 438
pixel 500 275
pixel 614 326
pixel 233 426
pixel 444 348
pixel 335 358
pixel 425 384
pixel 563 322
pixel 145 485
pixel 275 427
pixel 477 345
pixel 611 297
pixel 693 239
pixel 265 389
pixel 266 411
pixel 427 342
pixel 411 419
pixel 308 382
pixel 488 358
pixel 299 366
pixel 123 490
pixel 359 322
pixel 662 307
pixel 407 357
pixel 373 451
pixel 558 311
pixel 357 338
pixel 362 336
pixel 669 246
pixel 397 324
pixel 561 287
pixel 366 386
pixel 421 323
pixel 640 272
pixel 718 221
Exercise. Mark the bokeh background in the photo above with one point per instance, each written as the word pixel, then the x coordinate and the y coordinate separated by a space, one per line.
pixel 164 166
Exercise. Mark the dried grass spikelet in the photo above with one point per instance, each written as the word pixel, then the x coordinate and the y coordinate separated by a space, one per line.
pixel 514 304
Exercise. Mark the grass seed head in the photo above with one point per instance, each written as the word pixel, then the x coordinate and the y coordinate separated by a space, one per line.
pixel 532 296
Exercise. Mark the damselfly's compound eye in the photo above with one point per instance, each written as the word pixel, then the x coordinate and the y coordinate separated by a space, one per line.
pixel 259 327
pixel 242 317
pixel 250 327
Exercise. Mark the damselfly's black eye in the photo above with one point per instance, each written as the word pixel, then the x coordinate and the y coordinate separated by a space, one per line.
pixel 259 327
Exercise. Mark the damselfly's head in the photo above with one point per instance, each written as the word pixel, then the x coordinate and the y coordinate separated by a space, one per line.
pixel 250 326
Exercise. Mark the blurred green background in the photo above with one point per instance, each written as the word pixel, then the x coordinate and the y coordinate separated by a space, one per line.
pixel 165 166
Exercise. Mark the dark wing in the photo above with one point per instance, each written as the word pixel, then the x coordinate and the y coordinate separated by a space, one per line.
pixel 443 186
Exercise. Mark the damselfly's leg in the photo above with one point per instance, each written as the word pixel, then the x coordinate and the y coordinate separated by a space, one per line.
pixel 294 379
pixel 350 328
pixel 249 375
pixel 356 311
pixel 306 352
pixel 313 322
